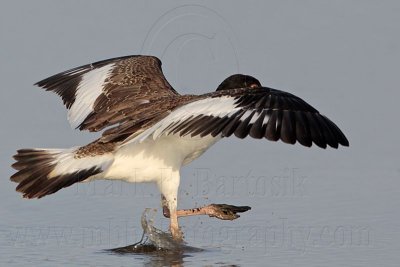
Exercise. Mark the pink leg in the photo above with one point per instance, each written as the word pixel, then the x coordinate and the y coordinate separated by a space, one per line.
pixel 220 211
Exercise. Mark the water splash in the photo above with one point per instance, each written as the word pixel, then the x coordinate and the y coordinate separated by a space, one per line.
pixel 161 240
pixel 154 240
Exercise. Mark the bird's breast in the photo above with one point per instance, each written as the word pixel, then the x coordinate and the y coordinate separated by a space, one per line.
pixel 150 160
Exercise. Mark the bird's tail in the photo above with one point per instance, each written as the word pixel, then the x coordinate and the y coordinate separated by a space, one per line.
pixel 41 172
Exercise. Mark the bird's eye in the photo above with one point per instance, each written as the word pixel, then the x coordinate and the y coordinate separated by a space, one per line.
pixel 254 85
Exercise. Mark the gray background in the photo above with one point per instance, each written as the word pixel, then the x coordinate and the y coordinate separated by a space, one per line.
pixel 310 207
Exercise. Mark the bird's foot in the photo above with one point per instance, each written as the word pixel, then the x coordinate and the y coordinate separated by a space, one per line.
pixel 225 211
pixel 176 233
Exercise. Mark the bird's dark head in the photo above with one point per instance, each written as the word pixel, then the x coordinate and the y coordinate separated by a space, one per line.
pixel 239 81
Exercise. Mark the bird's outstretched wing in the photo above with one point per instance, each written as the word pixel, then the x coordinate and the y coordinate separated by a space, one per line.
pixel 111 92
pixel 261 113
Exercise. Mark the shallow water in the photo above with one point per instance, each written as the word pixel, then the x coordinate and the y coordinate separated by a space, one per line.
pixel 310 207
pixel 320 219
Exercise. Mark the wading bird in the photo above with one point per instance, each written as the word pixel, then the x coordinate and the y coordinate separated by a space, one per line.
pixel 151 131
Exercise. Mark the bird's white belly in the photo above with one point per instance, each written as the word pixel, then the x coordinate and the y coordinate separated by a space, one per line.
pixel 152 160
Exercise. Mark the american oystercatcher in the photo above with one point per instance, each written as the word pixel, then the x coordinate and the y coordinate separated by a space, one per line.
pixel 150 131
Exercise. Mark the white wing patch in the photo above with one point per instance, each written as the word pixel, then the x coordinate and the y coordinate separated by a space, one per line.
pixel 66 163
pixel 216 107
pixel 90 87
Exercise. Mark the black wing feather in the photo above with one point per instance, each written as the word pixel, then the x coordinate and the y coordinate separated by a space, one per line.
pixel 243 128
pixel 271 132
pixel 258 129
pixel 264 112
pixel 303 134
pixel 231 127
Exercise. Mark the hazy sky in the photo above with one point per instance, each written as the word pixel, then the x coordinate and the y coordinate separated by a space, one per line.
pixel 340 56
